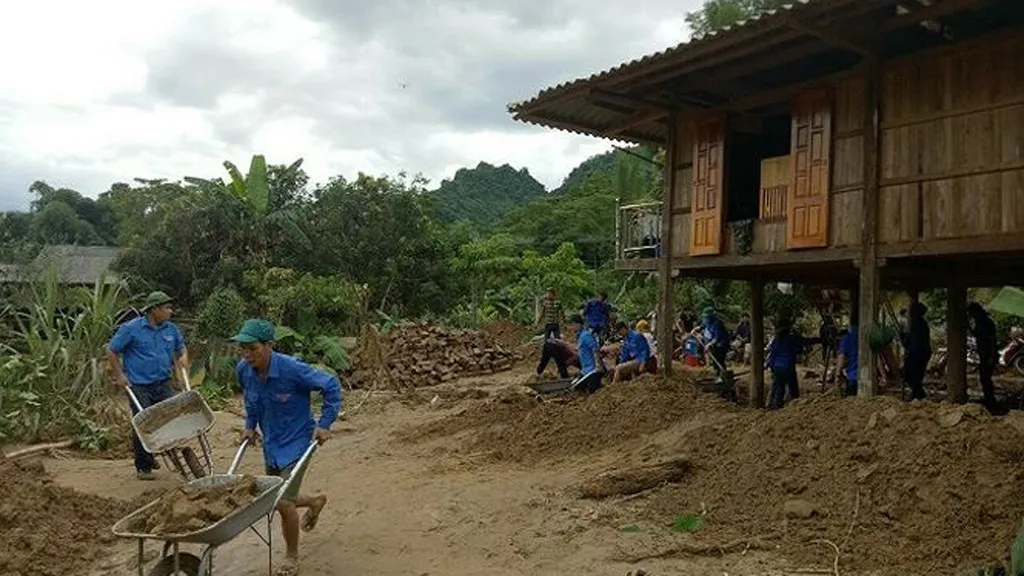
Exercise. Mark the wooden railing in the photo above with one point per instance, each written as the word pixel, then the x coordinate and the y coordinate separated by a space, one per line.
pixel 773 203
pixel 774 187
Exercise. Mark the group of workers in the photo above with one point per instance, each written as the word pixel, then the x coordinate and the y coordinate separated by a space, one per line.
pixel 596 338
pixel 707 340
pixel 148 352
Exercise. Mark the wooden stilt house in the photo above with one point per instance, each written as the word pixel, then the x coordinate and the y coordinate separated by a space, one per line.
pixel 861 144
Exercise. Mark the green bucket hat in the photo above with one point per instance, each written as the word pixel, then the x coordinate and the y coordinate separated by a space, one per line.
pixel 253 331
pixel 156 299
pixel 708 311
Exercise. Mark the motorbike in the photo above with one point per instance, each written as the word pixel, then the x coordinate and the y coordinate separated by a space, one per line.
pixel 941 356
pixel 1012 355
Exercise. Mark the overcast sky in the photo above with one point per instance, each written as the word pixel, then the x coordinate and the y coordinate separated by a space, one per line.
pixel 103 91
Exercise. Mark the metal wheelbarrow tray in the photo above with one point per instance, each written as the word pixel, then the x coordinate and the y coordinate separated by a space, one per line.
pixel 219 532
pixel 553 386
pixel 173 422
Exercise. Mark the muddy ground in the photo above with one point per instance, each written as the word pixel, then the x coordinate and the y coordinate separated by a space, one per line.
pixel 478 477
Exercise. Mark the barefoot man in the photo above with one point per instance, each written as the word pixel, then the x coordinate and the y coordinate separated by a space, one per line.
pixel 277 392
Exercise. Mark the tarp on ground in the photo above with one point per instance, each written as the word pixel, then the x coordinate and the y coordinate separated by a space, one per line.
pixel 1010 300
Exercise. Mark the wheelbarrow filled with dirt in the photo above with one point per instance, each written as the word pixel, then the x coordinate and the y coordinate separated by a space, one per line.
pixel 166 428
pixel 208 512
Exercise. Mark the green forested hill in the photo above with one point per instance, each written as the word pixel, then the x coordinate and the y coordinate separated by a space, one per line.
pixel 485 194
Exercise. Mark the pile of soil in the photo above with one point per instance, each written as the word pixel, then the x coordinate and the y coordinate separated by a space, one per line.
pixel 412 355
pixel 188 509
pixel 923 487
pixel 48 530
pixel 507 334
pixel 514 425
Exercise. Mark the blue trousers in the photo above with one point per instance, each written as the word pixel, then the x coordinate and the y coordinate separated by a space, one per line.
pixel 147 395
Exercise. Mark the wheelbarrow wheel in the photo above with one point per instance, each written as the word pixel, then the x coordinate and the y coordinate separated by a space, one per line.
pixel 193 463
pixel 188 565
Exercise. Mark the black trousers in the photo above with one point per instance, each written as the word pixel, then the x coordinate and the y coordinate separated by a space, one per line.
pixel 547 354
pixel 147 395
pixel 783 380
pixel 552 331
pixel 985 371
pixel 914 370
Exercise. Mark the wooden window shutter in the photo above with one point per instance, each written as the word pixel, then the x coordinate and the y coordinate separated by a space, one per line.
pixel 810 174
pixel 706 202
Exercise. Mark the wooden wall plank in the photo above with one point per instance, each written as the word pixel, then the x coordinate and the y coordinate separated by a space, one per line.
pixel 846 215
pixel 953 143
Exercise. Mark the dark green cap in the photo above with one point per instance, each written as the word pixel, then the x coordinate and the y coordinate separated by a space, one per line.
pixel 708 311
pixel 254 330
pixel 156 299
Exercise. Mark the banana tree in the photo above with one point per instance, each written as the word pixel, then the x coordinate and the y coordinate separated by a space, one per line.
pixel 253 191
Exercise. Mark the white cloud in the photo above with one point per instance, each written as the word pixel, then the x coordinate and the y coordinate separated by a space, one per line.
pixel 97 92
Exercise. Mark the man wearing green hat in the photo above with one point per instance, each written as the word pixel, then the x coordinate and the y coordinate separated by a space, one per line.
pixel 145 353
pixel 277 390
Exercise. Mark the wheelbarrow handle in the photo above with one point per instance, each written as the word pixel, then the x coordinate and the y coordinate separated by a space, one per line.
pixel 184 379
pixel 134 399
pixel 238 456
pixel 298 472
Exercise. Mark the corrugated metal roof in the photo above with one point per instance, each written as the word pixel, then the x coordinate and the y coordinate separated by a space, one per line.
pixel 668 53
pixel 569 106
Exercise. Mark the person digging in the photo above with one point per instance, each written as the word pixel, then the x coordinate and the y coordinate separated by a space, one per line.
pixel 277 388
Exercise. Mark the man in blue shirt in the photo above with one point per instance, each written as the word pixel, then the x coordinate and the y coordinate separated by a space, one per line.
pixel 847 360
pixel 633 354
pixel 153 351
pixel 276 388
pixel 783 352
pixel 597 313
pixel 589 352
pixel 716 338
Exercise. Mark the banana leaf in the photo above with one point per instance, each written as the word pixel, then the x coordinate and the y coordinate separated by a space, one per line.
pixel 1010 300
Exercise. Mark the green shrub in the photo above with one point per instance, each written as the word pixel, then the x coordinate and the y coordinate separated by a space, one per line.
pixel 221 314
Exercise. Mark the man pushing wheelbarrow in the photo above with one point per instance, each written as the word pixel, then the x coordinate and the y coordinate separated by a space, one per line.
pixel 276 388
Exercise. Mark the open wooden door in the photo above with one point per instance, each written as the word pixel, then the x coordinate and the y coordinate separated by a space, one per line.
pixel 708 174
pixel 810 175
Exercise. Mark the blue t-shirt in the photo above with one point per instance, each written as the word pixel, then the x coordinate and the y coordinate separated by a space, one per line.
pixel 848 349
pixel 783 352
pixel 597 313
pixel 587 344
pixel 148 351
pixel 634 347
pixel 715 331
pixel 280 406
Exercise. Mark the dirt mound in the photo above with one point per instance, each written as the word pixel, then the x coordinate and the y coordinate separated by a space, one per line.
pixel 918 488
pixel 187 509
pixel 412 355
pixel 927 488
pixel 507 334
pixel 518 427
pixel 48 530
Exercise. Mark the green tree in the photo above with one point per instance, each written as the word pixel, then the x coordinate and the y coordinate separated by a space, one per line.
pixel 717 14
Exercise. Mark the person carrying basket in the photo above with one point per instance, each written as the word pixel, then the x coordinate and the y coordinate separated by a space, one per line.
pixel 277 388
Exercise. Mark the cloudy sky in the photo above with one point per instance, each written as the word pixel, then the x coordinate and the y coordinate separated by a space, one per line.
pixel 107 90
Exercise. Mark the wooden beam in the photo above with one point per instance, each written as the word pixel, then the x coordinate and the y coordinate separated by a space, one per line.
pixel 956 342
pixel 628 100
pixel 638 264
pixel 635 120
pixel 869 285
pixel 665 281
pixel 753 261
pixel 831 37
pixel 936 10
pixel 757 342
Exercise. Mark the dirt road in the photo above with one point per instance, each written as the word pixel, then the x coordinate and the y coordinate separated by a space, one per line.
pixel 477 478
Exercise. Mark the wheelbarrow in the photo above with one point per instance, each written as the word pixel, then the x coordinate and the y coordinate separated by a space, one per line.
pixel 175 562
pixel 165 429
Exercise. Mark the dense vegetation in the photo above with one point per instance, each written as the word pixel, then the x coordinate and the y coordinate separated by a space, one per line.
pixel 484 195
